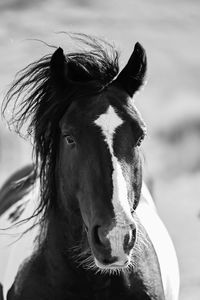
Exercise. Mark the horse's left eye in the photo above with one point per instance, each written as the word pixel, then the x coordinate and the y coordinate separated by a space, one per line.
pixel 139 141
pixel 70 140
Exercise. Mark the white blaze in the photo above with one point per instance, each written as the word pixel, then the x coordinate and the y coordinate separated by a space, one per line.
pixel 109 122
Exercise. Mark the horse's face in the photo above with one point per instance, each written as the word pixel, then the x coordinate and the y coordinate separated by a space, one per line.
pixel 100 171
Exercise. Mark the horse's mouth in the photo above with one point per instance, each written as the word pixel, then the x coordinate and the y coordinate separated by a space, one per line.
pixel 114 266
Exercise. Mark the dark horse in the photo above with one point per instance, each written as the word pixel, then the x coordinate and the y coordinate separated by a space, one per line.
pixel 91 230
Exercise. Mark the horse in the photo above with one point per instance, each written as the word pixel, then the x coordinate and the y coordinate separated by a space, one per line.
pixel 82 219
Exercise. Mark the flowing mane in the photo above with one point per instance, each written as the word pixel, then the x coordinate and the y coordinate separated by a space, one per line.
pixel 36 105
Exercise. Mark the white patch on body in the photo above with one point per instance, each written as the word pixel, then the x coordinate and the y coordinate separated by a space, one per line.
pixel 15 247
pixel 162 243
pixel 109 122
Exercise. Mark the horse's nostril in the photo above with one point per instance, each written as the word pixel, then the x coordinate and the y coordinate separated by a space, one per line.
pixel 99 236
pixel 96 235
pixel 134 233
pixel 129 240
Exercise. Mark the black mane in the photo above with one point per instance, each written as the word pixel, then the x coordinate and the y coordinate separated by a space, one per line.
pixel 38 108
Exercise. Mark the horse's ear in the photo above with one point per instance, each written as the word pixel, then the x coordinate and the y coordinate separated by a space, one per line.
pixel 63 71
pixel 58 66
pixel 131 78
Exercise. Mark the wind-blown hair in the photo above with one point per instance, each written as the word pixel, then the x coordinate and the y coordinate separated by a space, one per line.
pixel 37 105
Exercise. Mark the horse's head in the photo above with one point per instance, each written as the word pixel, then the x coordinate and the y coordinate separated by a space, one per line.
pixel 86 133
pixel 98 167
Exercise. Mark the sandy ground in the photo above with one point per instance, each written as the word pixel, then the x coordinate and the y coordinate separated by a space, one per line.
pixel 169 31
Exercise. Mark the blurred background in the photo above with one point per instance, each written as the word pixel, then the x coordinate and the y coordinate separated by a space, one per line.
pixel 170 32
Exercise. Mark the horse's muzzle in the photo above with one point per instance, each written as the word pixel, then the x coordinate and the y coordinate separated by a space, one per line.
pixel 113 245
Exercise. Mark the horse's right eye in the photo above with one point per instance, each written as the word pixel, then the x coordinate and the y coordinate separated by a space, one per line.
pixel 70 140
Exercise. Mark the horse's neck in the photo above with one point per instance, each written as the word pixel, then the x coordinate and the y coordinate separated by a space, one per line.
pixel 64 234
pixel 65 240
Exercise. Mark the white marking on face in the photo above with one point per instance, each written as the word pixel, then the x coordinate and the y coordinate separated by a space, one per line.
pixel 109 122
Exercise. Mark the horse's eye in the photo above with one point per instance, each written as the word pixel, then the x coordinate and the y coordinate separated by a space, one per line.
pixel 139 141
pixel 70 140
